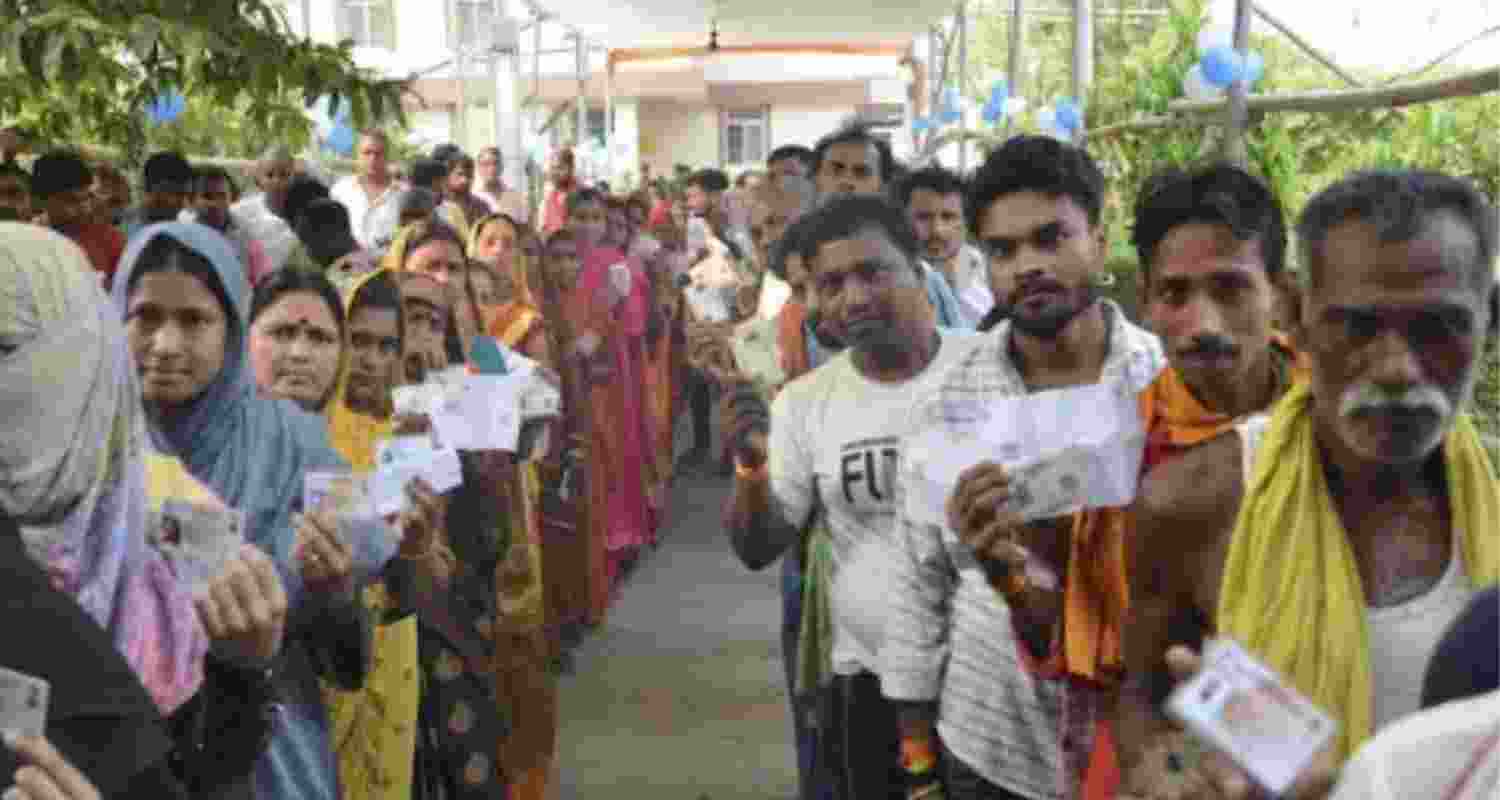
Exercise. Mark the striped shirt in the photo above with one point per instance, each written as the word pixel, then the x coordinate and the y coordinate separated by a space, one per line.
pixel 949 635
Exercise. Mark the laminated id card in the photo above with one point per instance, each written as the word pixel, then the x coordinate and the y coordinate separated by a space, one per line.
pixel 1242 708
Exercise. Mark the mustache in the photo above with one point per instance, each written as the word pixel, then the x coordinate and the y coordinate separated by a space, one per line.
pixel 1211 346
pixel 1368 398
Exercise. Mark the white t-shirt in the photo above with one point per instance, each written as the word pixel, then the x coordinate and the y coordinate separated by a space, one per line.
pixel 1450 752
pixel 835 442
pixel 373 221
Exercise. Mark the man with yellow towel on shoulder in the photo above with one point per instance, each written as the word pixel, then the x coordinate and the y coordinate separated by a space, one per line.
pixel 1338 539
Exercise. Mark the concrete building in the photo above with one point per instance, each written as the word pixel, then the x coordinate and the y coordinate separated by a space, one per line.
pixel 551 67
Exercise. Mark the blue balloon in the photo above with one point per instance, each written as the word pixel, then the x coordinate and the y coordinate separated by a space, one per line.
pixel 949 117
pixel 1068 115
pixel 992 112
pixel 951 102
pixel 166 107
pixel 999 93
pixel 1255 67
pixel 341 139
pixel 1223 66
pixel 921 124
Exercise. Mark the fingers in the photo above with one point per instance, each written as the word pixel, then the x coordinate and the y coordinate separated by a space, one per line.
pixel 980 493
pixel 47 775
pixel 268 582
pixel 233 613
pixel 324 555
pixel 1183 662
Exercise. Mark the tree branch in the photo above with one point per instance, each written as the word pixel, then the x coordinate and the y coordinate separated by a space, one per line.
pixel 1475 82
pixel 1451 52
pixel 1313 52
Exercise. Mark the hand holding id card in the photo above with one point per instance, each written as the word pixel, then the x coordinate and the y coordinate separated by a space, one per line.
pixel 23 703
pixel 1243 709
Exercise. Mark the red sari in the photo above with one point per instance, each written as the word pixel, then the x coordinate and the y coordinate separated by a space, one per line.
pixel 620 440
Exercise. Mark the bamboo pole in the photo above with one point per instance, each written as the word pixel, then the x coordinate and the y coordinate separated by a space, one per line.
pixel 1013 67
pixel 1236 111
pixel 1306 47
pixel 1473 82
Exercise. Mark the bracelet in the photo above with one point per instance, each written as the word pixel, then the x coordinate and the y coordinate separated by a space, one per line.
pixel 917 756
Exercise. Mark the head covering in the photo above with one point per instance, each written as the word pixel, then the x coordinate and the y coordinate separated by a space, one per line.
pixel 72 470
pixel 252 451
pixel 634 309
pixel 354 434
pixel 519 268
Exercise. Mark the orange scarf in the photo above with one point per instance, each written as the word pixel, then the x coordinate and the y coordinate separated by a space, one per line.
pixel 789 339
pixel 1096 597
pixel 511 322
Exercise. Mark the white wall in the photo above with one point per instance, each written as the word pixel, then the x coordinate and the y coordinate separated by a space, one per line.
pixel 804 126
pixel 678 134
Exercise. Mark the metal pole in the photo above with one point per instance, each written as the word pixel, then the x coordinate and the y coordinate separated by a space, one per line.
pixel 462 64
pixel 1083 55
pixel 963 75
pixel 1237 110
pixel 499 117
pixel 609 118
pixel 580 57
pixel 1014 77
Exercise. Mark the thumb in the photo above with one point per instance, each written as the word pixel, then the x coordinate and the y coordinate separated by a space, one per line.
pixel 1183 662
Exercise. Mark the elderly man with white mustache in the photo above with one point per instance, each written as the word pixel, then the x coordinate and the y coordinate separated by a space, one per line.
pixel 1359 518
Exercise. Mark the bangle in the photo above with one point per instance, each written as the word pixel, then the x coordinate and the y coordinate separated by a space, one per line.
pixel 431 548
pixel 917 756
pixel 744 473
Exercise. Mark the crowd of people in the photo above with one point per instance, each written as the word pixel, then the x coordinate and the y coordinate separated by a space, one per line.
pixel 1311 486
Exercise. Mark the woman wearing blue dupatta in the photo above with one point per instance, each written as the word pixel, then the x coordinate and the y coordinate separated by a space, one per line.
pixel 182 291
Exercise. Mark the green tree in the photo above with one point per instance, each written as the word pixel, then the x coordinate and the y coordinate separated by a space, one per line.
pixel 84 71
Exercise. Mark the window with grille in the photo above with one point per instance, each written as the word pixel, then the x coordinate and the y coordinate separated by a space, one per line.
pixel 475 23
pixel 370 23
pixel 745 134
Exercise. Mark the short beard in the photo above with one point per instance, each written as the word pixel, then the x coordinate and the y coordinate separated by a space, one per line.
pixel 1052 324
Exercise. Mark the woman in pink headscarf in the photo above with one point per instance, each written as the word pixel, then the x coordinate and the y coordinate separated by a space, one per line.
pixel 607 309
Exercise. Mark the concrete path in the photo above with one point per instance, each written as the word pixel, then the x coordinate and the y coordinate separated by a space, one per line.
pixel 680 695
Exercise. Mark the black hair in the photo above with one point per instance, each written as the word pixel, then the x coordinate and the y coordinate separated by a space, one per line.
pixel 934 179
pixel 586 196
pixel 164 253
pixel 211 172
pixel 1466 663
pixel 300 192
pixel 324 228
pixel 743 179
pixel 788 245
pixel 282 282
pixel 709 180
pixel 167 168
pixel 379 291
pixel 447 152
pixel 1220 193
pixel 1036 164
pixel 59 171
pixel 427 171
pixel 1399 203
pixel 460 160
pixel 808 158
pixel 418 198
pixel 846 216
pixel 857 134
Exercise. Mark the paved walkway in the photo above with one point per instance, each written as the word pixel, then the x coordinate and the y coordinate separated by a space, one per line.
pixel 679 695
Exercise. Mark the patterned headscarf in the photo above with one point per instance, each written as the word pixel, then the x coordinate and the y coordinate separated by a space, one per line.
pixel 72 459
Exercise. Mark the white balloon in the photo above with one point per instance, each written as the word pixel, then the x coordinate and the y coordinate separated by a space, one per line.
pixel 1197 87
pixel 1211 36
pixel 1015 105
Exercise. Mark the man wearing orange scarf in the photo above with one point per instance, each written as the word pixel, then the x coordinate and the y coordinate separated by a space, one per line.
pixel 994 700
pixel 555 206
pixel 1339 538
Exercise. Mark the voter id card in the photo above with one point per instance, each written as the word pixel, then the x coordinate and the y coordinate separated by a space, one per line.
pixel 23 703
pixel 1242 708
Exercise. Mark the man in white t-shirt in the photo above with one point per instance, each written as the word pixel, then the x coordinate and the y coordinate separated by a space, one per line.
pixel 835 438
pixel 371 195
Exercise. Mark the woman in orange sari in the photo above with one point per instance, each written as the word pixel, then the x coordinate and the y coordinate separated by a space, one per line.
pixel 666 344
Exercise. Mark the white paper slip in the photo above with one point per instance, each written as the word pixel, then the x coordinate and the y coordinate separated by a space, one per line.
pixel 1238 705
pixel 196 539
pixel 481 413
pixel 1065 451
pixel 403 458
pixel 416 399
pixel 23 702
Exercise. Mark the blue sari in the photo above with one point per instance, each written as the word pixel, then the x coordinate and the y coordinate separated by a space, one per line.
pixel 253 452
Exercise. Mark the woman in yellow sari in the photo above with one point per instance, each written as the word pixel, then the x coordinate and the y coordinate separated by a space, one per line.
pixel 374 729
